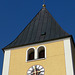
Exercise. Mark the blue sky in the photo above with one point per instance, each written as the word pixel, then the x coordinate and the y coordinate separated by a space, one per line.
pixel 16 14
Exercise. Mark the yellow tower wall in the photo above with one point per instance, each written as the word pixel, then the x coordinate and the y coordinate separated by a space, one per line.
pixel 54 64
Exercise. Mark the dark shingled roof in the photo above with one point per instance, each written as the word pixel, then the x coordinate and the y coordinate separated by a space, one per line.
pixel 43 27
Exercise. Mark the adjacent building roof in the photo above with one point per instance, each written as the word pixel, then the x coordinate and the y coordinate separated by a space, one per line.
pixel 43 27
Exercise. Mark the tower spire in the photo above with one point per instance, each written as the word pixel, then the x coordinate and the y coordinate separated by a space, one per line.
pixel 44 1
pixel 43 4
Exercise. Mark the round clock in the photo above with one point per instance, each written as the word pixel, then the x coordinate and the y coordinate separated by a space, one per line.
pixel 36 70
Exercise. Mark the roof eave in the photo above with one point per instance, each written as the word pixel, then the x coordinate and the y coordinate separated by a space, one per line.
pixel 41 42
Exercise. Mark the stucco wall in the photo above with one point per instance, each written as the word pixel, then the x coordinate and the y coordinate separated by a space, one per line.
pixel 54 64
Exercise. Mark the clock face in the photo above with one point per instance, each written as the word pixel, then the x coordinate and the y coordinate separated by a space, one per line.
pixel 36 70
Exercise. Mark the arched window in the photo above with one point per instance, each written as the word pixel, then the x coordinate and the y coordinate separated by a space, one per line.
pixel 30 54
pixel 41 52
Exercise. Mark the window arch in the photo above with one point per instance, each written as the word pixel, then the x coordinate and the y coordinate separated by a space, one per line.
pixel 30 54
pixel 41 52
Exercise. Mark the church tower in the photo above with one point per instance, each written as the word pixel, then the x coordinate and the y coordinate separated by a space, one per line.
pixel 42 48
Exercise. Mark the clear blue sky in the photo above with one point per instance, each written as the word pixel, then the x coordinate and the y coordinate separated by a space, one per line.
pixel 16 14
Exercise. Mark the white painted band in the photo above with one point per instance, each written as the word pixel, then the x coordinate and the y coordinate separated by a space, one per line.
pixel 68 57
pixel 6 63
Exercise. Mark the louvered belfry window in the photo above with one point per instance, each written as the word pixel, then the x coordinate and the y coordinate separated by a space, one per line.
pixel 31 54
pixel 41 52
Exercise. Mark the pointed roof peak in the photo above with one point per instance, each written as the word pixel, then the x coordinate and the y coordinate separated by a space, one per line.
pixel 43 4
pixel 43 27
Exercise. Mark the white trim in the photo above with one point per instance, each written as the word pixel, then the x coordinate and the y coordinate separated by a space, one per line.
pixel 35 54
pixel 36 59
pixel 68 57
pixel 44 48
pixel 6 63
pixel 27 53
